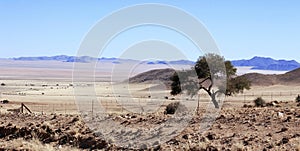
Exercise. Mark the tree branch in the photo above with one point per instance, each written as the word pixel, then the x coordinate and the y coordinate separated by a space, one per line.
pixel 208 78
pixel 205 89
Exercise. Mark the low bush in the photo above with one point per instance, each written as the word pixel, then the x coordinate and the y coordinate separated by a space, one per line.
pixel 171 108
pixel 4 101
pixel 259 102
pixel 298 98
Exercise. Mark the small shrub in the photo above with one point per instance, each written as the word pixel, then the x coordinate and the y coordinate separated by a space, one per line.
pixel 171 108
pixel 259 102
pixel 247 106
pixel 298 98
pixel 4 101
pixel 2 84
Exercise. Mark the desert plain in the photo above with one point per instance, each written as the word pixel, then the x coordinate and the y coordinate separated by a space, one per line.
pixel 54 96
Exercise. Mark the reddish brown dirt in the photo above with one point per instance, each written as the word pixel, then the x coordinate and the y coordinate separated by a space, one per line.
pixel 243 128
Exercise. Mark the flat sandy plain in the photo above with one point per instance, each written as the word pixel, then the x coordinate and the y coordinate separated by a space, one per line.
pixel 47 88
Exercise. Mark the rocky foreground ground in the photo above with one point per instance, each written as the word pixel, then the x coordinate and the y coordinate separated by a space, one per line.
pixel 275 127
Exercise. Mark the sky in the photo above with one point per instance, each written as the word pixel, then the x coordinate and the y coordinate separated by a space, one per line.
pixel 241 29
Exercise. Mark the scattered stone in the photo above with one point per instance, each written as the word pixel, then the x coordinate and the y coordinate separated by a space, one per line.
pixel 284 140
pixel 270 146
pixel 211 136
pixel 53 117
pixel 221 117
pixel 280 114
pixel 211 148
pixel 288 119
pixel 186 136
pixel 283 130
pixel 245 142
pixel 143 146
pixel 173 141
pixel 75 119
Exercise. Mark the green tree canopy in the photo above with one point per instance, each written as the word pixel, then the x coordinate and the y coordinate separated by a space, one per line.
pixel 207 71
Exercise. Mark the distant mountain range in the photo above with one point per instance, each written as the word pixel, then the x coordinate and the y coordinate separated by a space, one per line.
pixel 63 58
pixel 86 59
pixel 263 63
pixel 258 63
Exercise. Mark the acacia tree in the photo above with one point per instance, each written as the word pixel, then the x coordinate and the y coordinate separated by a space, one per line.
pixel 203 76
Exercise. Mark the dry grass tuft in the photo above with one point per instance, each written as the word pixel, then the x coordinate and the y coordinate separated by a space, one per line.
pixel 33 145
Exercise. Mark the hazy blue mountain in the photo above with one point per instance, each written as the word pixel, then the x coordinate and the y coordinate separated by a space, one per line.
pixel 62 58
pixel 177 62
pixel 150 62
pixel 83 59
pixel 116 62
pixel 86 59
pixel 263 63
pixel 45 58
pixel 107 59
pixel 156 62
pixel 185 62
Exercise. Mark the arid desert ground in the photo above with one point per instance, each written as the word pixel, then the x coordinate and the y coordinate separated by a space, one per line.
pixel 49 91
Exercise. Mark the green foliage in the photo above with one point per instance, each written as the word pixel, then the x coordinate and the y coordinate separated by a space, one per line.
pixel 298 98
pixel 206 72
pixel 176 88
pixel 171 108
pixel 230 69
pixel 259 102
pixel 237 85
pixel 210 65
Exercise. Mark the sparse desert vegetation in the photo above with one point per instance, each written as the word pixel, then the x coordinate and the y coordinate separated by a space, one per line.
pixel 298 98
pixel 252 128
pixel 56 124
pixel 136 75
pixel 259 102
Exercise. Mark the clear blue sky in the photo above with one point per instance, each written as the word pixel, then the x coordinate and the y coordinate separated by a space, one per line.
pixel 242 29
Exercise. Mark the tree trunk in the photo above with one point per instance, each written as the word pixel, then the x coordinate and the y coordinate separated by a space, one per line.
pixel 213 99
pixel 198 106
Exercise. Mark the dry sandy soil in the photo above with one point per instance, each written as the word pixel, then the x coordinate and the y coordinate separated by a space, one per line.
pixel 247 128
pixel 48 90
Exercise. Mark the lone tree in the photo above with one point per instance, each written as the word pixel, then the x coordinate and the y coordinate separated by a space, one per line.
pixel 203 76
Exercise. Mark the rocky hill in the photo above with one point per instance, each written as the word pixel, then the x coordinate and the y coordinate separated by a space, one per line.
pixel 289 78
pixel 162 75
